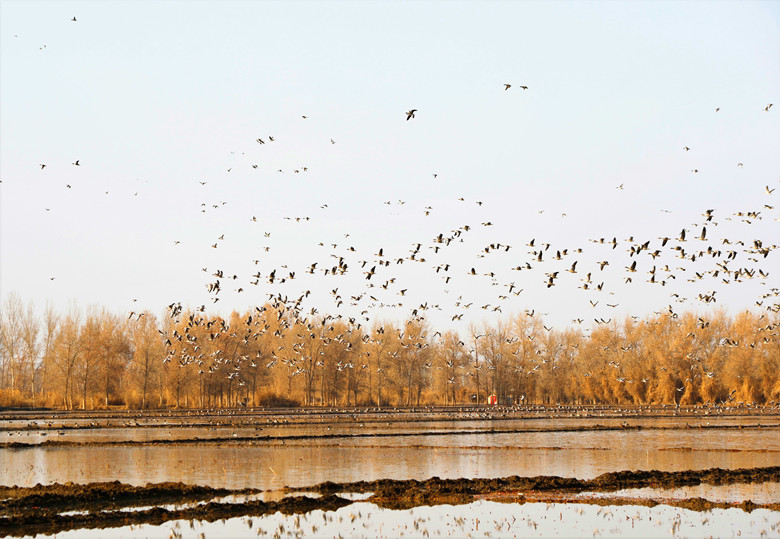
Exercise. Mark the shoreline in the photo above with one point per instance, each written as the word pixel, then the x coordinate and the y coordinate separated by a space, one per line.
pixel 61 507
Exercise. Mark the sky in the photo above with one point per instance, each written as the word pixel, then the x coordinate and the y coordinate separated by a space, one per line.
pixel 162 104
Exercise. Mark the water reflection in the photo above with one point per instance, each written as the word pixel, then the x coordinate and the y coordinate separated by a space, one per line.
pixel 476 451
pixel 759 493
pixel 478 519
pixel 272 465
pixel 178 429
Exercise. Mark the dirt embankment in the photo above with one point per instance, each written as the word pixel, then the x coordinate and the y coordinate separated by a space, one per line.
pixel 404 494
pixel 692 504
pixel 58 498
pixel 264 439
pixel 78 420
pixel 60 507
pixel 57 508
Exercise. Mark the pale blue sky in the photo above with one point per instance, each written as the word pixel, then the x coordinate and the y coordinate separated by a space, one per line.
pixel 154 97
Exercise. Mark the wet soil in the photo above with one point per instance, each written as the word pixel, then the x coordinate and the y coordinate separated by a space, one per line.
pixel 50 509
pixel 405 494
pixel 692 504
pixel 31 523
pixel 42 420
pixel 58 498
pixel 234 439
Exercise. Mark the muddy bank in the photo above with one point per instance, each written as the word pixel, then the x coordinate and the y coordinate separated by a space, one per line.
pixel 58 498
pixel 250 417
pixel 31 523
pixel 692 504
pixel 234 439
pixel 60 507
pixel 405 494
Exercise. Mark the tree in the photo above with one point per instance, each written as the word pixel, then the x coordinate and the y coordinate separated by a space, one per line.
pixel 30 328
pixel 11 358
pixel 114 355
pixel 452 360
pixel 147 354
pixel 411 358
pixel 92 346
pixel 67 351
pixel 50 327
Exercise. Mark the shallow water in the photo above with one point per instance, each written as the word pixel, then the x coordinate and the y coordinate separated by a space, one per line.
pixel 182 427
pixel 419 450
pixel 759 493
pixel 477 519
pixel 272 464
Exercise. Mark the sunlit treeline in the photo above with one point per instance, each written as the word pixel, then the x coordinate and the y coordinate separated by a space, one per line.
pixel 270 356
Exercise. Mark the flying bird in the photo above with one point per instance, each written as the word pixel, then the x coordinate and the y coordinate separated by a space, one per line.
pixel 410 114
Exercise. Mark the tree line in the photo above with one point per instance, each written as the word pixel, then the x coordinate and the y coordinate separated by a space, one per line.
pixel 271 356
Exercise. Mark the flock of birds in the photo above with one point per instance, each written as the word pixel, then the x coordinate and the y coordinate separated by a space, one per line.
pixel 692 255
pixel 377 281
pixel 689 256
pixel 363 281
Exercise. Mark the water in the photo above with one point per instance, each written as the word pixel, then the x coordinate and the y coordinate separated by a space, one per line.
pixel 419 450
pixel 272 464
pixel 759 493
pixel 478 519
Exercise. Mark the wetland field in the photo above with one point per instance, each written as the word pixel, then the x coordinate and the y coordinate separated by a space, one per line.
pixel 325 268
pixel 414 472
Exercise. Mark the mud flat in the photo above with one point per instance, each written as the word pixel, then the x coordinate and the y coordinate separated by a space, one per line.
pixel 30 522
pixel 222 471
pixel 259 438
pixel 405 494
pixel 60 507
pixel 75 420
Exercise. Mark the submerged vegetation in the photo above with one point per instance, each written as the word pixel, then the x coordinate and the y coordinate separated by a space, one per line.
pixel 272 356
